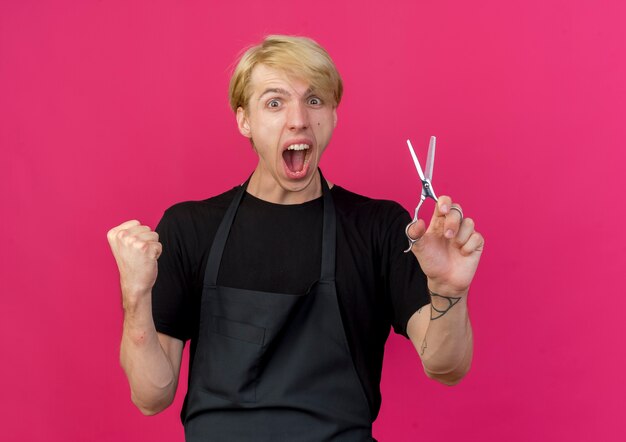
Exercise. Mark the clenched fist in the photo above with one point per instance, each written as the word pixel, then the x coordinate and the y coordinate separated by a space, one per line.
pixel 136 249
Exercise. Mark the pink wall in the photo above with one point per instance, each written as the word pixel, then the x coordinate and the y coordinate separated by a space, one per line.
pixel 111 110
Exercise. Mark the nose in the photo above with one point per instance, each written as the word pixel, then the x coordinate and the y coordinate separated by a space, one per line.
pixel 298 116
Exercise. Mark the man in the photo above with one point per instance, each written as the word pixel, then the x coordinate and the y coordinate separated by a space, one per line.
pixel 287 286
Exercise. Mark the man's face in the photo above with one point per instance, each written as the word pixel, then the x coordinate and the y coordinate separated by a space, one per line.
pixel 290 126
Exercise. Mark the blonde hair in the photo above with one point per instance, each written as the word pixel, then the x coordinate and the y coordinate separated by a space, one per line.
pixel 299 57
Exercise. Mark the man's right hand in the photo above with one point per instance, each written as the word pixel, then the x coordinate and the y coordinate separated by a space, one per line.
pixel 151 360
pixel 136 249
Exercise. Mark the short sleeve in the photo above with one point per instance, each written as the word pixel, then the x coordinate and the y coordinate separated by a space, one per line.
pixel 405 280
pixel 171 294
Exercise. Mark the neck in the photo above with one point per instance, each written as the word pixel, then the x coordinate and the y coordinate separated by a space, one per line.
pixel 265 187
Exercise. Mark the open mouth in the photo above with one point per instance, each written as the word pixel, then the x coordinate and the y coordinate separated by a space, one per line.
pixel 296 158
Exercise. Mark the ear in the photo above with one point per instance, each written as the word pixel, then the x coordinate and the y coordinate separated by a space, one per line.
pixel 242 123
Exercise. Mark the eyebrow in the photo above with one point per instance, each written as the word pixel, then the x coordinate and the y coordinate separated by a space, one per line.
pixel 281 91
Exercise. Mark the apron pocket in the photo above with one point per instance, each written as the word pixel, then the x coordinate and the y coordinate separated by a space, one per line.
pixel 233 357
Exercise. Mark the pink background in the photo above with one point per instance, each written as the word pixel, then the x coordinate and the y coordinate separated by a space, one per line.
pixel 111 110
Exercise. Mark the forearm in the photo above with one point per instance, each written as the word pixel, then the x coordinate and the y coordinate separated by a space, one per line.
pixel 446 350
pixel 149 371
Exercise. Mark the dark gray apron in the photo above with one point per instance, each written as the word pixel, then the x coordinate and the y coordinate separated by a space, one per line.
pixel 274 366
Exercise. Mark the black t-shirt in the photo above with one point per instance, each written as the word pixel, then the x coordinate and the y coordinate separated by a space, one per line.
pixel 277 248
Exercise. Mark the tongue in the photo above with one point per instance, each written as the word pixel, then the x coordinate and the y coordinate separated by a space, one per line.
pixel 294 159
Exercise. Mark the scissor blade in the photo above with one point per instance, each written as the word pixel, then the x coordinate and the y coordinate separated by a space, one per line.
pixel 417 163
pixel 430 160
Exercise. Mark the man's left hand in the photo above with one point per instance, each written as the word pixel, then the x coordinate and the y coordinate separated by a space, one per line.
pixel 449 250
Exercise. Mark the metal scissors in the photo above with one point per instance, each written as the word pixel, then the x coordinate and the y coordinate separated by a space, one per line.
pixel 427 187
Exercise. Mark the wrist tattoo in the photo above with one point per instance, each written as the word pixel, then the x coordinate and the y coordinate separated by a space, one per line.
pixel 435 313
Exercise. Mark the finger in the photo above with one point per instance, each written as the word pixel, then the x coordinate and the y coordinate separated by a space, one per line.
pixel 130 230
pixel 129 235
pixel 475 243
pixel 143 242
pixel 465 231
pixel 442 208
pixel 452 222
pixel 147 236
pixel 125 225
pixel 155 250
pixel 136 230
pixel 146 241
pixel 417 230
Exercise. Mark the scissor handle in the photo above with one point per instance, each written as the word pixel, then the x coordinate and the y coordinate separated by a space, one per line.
pixel 408 226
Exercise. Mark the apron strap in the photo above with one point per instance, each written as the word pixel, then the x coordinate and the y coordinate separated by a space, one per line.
pixel 328 235
pixel 219 242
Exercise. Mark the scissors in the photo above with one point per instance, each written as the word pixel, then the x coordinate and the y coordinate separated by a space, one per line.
pixel 427 187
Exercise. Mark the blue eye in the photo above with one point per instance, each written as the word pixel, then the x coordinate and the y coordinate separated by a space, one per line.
pixel 273 103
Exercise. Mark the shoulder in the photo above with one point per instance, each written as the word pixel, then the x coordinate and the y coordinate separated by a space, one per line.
pixel 192 224
pixel 198 213
pixel 377 222
pixel 350 204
